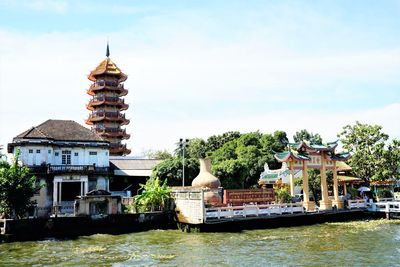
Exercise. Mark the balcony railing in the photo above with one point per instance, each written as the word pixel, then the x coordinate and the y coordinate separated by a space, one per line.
pixel 100 83
pixel 109 99
pixel 79 169
pixel 115 114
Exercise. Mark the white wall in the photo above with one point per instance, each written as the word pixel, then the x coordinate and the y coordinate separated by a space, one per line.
pixel 53 155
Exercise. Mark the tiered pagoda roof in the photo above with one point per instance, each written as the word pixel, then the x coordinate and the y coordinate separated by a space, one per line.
pixel 302 150
pixel 106 105
pixel 107 67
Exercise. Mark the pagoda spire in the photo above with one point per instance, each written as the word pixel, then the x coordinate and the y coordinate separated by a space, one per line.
pixel 108 50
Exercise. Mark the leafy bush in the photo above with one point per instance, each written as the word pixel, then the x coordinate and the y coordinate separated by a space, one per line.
pixel 283 195
pixel 384 193
pixel 153 196
pixel 353 192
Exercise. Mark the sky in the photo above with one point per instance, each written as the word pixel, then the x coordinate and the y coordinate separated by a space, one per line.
pixel 199 68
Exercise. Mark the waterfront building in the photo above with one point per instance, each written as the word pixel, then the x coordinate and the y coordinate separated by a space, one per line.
pixel 128 173
pixel 303 155
pixel 68 158
pixel 107 105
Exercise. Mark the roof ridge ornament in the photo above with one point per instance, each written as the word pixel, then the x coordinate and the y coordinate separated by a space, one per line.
pixel 108 50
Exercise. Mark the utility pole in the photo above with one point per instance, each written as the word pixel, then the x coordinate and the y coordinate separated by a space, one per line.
pixel 183 144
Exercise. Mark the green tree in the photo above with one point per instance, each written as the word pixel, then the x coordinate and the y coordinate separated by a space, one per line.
pixel 162 155
pixel 367 144
pixel 237 159
pixel 304 135
pixel 196 148
pixel 158 154
pixel 214 142
pixel 171 170
pixel 239 162
pixel 17 187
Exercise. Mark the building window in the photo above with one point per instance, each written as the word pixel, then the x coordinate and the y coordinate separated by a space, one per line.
pixel 106 153
pixel 37 151
pixel 30 151
pixel 49 151
pixel 66 157
pixel 56 154
pixel 76 154
pixel 92 153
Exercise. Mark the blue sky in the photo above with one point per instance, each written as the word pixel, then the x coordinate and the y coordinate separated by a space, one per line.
pixel 198 68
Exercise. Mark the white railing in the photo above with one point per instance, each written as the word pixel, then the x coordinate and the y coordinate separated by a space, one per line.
pixel 387 199
pixel 356 204
pixel 388 207
pixel 252 211
pixel 67 207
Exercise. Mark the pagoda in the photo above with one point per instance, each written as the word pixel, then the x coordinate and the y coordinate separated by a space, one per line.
pixel 107 105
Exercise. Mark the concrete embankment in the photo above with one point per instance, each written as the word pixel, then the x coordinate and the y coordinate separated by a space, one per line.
pixel 287 220
pixel 70 227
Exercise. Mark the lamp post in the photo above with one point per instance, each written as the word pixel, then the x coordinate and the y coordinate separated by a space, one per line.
pixel 183 143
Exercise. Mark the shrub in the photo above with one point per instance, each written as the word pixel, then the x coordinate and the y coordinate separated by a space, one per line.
pixel 283 195
pixel 384 193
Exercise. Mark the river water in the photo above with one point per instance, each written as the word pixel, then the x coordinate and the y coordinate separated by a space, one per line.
pixel 360 243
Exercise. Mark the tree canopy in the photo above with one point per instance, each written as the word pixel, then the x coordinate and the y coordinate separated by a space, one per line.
pixel 16 188
pixel 304 135
pixel 371 158
pixel 238 159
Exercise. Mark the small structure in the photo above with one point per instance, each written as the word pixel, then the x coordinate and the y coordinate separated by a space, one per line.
pixel 97 202
pixel 344 180
pixel 268 178
pixel 303 155
pixel 129 173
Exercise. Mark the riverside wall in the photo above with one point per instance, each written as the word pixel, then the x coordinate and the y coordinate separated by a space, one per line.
pixel 70 227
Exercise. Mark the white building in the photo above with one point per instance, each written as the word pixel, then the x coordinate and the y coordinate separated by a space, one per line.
pixel 68 158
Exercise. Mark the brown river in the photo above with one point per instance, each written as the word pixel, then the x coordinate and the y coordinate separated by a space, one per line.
pixel 358 243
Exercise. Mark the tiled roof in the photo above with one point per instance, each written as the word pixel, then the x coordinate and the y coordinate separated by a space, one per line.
pixel 63 130
pixel 107 67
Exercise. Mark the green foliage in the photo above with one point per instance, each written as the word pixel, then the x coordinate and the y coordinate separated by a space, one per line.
pixel 214 142
pixel 171 170
pixel 153 196
pixel 239 162
pixel 196 148
pixel 353 192
pixel 237 159
pixel 304 135
pixel 384 193
pixel 371 160
pixel 16 188
pixel 283 195
pixel 162 155
pixel 158 154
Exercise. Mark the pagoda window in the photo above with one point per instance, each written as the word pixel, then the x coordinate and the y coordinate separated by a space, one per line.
pixel 30 151
pixel 66 157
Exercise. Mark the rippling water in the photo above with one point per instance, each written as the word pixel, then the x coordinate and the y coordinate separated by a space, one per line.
pixel 362 243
